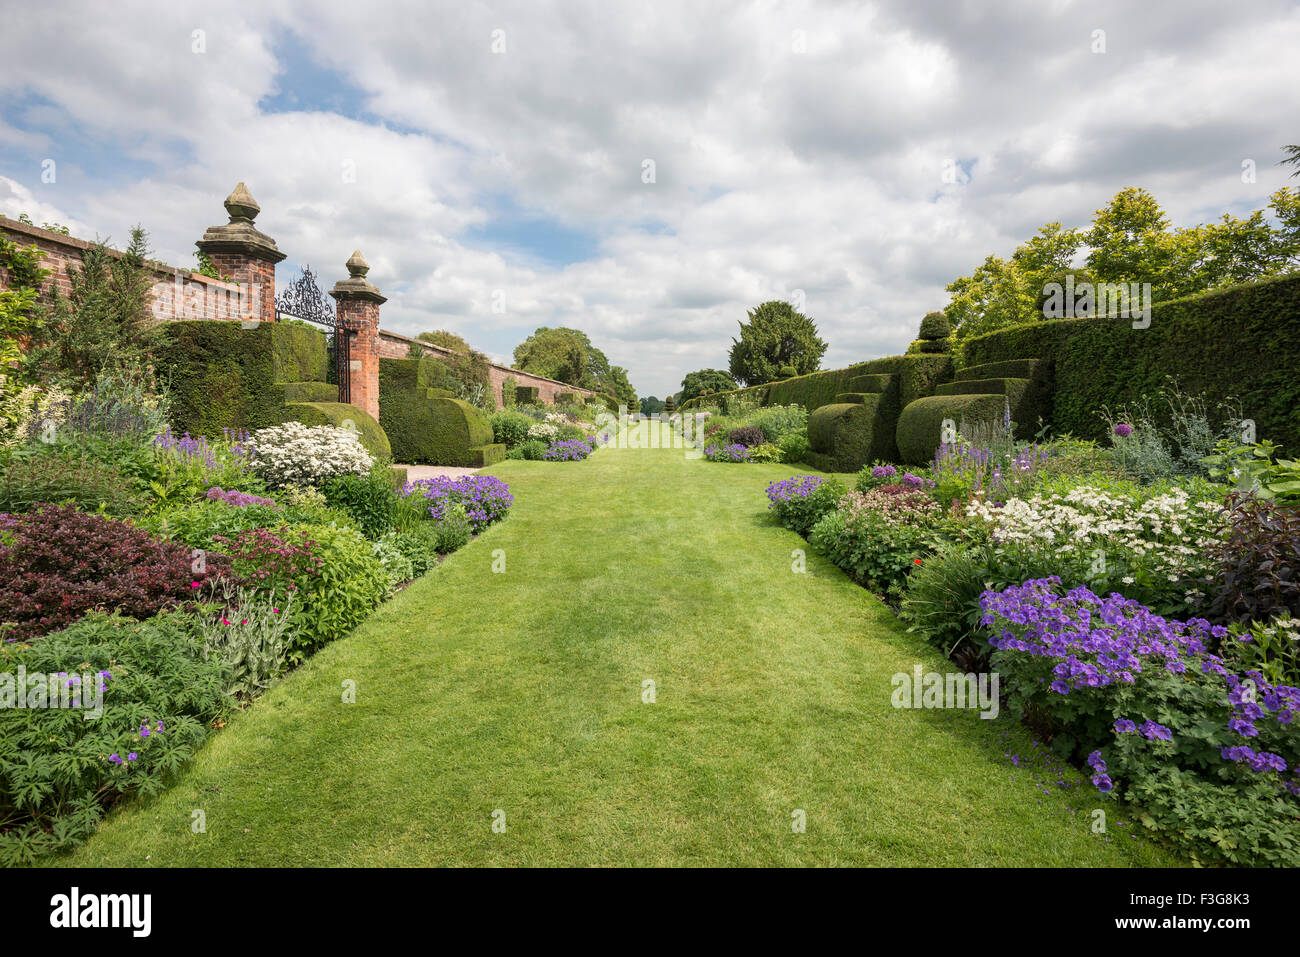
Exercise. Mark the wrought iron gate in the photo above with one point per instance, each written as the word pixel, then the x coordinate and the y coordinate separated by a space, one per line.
pixel 302 299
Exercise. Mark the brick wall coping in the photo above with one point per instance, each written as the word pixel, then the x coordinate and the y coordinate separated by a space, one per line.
pixel 442 350
pixel 18 228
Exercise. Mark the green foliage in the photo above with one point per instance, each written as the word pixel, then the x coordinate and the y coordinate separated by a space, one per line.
pixel 56 772
pixel 104 322
pixel 424 428
pixel 794 447
pixel 567 355
pixel 510 428
pixel 509 389
pixel 935 325
pixel 1174 435
pixel 337 597
pixel 1250 468
pixel 844 437
pixel 446 339
pixel 1271 647
pixel 776 335
pixel 221 375
pixel 249 636
pixel 920 427
pixel 787 372
pixel 942 601
pixel 531 450
pixel 778 421
pixel 1129 240
pixel 63 476
pixel 877 551
pixel 22 321
pixel 369 500
pixel 370 432
pixel 800 513
pixel 453 529
pixel 527 395
pixel 700 382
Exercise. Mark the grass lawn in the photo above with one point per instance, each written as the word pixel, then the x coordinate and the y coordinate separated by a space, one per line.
pixel 522 691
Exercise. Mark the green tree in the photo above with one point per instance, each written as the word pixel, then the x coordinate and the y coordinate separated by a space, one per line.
pixel 104 323
pixel 1129 239
pixel 446 339
pixel 568 355
pixel 705 380
pixel 776 335
pixel 650 405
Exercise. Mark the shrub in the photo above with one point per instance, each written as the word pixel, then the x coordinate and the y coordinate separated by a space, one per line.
pixel 28 480
pixel 767 452
pixel 877 551
pixel 249 637
pixel 845 436
pixel 777 421
pixel 453 529
pixel 485 498
pixel 393 560
pixel 801 500
pixel 295 454
pixel 747 435
pixel 920 428
pixel 794 447
pixel 57 563
pixel 58 770
pixel 532 450
pixel 544 431
pixel 935 325
pixel 237 499
pixel 1256 562
pixel 942 602
pixel 1151 544
pixel 331 573
pixel 510 428
pixel 368 499
pixel 418 544
pixel 1211 757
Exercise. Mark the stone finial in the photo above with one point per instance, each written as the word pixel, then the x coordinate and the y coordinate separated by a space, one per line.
pixel 241 206
pixel 240 237
pixel 357 286
pixel 357 265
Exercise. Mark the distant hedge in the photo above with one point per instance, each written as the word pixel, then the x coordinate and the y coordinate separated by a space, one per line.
pixel 1243 341
pixel 917 376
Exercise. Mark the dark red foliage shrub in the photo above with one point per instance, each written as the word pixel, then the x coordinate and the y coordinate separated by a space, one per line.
pixel 57 563
pixel 1259 562
pixel 747 435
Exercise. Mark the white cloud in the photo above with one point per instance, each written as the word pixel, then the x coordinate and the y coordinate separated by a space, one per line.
pixel 776 170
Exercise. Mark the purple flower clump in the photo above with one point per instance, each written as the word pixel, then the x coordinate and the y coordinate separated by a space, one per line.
pixel 797 486
pixel 238 499
pixel 485 498
pixel 1123 430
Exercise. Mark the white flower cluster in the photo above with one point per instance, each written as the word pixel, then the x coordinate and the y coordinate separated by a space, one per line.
pixel 544 431
pixel 1169 535
pixel 557 418
pixel 297 454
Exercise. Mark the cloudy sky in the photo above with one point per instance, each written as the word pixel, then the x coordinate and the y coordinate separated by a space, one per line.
pixel 498 152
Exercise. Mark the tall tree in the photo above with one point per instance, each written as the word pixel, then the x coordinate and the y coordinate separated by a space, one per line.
pixel 776 335
pixel 569 356
pixel 705 380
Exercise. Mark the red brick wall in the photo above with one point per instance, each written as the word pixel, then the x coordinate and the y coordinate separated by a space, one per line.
pixel 395 346
pixel 218 300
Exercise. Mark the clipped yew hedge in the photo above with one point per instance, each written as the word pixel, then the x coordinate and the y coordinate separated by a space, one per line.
pixel 1243 341
pixel 224 374
pixel 920 427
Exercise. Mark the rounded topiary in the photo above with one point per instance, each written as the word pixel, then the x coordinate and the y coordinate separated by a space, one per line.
pixel 787 372
pixel 669 405
pixel 921 426
pixel 935 325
